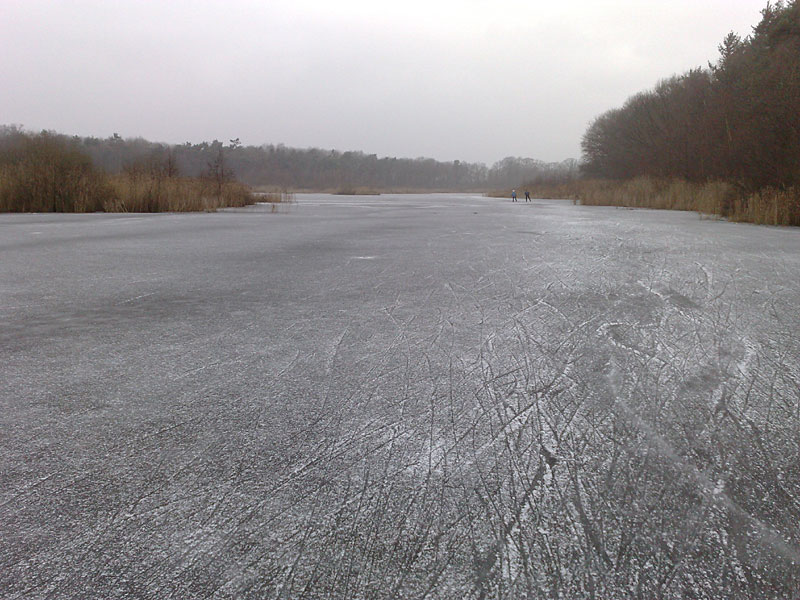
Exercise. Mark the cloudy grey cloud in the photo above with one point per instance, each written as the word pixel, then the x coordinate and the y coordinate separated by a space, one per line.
pixel 447 79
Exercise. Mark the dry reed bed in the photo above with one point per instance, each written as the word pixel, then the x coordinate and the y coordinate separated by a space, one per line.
pixel 768 206
pixel 93 192
pixel 45 173
pixel 174 194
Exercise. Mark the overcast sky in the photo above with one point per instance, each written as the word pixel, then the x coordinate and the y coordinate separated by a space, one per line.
pixel 458 79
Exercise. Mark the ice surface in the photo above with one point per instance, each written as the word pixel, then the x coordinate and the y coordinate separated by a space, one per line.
pixel 399 396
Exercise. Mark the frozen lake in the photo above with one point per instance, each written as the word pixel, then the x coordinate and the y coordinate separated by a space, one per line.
pixel 440 396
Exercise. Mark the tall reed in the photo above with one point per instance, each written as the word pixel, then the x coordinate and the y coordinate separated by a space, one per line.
pixel 48 173
pixel 768 206
pixel 153 193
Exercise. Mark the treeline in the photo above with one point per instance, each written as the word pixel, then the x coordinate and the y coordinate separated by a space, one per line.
pixel 282 167
pixel 53 173
pixel 737 121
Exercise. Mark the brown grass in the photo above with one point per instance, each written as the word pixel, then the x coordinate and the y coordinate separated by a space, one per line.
pixel 45 174
pixel 769 207
pixel 715 198
pixel 49 173
pixel 150 193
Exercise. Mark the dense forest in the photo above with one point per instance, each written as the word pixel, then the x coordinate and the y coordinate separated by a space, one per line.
pixel 736 121
pixel 282 167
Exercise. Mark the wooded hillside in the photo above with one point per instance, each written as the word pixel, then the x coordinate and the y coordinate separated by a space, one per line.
pixel 737 121
pixel 282 167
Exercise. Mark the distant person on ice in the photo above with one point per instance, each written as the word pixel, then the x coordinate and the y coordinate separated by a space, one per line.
pixel 527 196
pixel 513 195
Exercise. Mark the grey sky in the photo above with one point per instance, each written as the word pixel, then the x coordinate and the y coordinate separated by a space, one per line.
pixel 461 79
